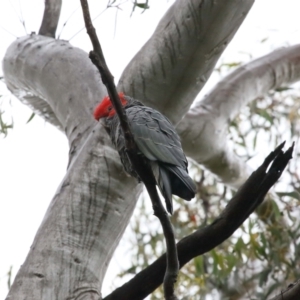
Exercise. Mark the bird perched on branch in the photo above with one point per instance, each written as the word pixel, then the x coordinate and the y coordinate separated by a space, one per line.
pixel 157 141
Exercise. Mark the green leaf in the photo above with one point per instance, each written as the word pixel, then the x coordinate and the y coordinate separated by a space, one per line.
pixel 9 277
pixel 231 65
pixel 283 88
pixel 231 263
pixel 264 276
pixel 266 115
pixel 276 209
pixel 4 126
pixel 30 118
pixel 264 39
pixel 239 246
pixel 263 240
pixel 295 194
pixel 254 140
pixel 198 261
pixel 142 5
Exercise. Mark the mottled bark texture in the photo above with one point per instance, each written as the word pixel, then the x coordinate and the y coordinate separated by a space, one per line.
pixel 93 205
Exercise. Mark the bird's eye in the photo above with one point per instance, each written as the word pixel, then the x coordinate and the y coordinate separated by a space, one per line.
pixel 110 108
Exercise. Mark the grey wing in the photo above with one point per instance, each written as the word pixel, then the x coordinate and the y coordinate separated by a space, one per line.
pixel 156 136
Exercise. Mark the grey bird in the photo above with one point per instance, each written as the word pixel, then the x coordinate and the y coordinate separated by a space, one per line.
pixel 157 140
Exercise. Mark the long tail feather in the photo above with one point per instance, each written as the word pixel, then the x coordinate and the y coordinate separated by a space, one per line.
pixel 182 184
pixel 163 182
pixel 164 185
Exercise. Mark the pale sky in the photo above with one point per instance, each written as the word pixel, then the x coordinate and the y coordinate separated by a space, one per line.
pixel 33 157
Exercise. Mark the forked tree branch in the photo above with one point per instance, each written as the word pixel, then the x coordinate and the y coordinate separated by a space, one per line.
pixel 209 117
pixel 140 165
pixel 246 200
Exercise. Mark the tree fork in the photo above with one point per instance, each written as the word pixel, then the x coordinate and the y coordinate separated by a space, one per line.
pixel 141 167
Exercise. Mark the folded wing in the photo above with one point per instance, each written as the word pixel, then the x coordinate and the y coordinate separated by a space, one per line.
pixel 157 139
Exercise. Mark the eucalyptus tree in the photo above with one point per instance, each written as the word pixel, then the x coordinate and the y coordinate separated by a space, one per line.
pixel 94 203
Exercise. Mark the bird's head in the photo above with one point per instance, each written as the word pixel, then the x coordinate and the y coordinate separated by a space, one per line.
pixel 105 108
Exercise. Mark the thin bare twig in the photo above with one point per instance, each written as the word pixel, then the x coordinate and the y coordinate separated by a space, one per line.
pixel 140 165
pixel 66 22
pixel 20 17
pixel 246 200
